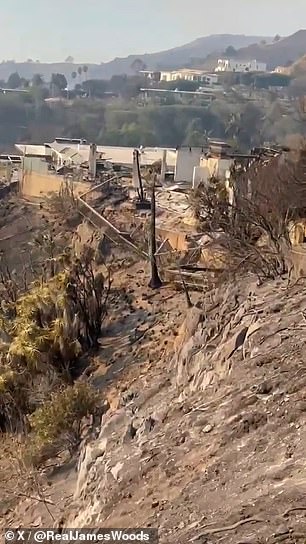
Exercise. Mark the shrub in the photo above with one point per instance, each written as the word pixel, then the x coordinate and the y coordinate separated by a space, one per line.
pixel 252 227
pixel 55 322
pixel 42 335
pixel 13 400
pixel 56 426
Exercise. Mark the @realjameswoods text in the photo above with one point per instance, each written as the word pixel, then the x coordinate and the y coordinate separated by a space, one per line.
pixel 40 536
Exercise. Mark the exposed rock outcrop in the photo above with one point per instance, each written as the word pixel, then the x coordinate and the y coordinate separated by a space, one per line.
pixel 166 457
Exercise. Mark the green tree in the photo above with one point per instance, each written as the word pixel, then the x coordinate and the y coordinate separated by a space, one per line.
pixel 37 80
pixel 230 51
pixel 58 84
pixel 138 65
pixel 195 132
pixel 118 83
pixel 59 81
pixel 132 87
pixel 264 81
pixel 14 81
pixel 251 122
pixel 85 70
pixel 24 83
pixel 96 87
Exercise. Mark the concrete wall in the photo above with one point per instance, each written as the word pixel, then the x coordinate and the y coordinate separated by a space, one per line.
pixel 296 261
pixel 35 164
pixel 216 166
pixel 297 232
pixel 177 240
pixel 33 184
pixel 187 159
pixel 201 174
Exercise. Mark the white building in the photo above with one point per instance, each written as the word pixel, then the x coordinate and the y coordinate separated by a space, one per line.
pixel 187 74
pixel 75 153
pixel 235 65
pixel 282 70
pixel 211 79
pixel 152 75
pixel 186 160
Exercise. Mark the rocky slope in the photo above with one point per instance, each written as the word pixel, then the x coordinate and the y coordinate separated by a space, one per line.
pixel 286 50
pixel 208 444
pixel 205 438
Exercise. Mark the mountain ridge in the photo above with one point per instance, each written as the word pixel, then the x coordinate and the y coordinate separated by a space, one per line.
pixel 201 52
pixel 284 51
pixel 175 57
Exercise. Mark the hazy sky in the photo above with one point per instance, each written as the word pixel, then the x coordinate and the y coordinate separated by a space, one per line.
pixel 99 30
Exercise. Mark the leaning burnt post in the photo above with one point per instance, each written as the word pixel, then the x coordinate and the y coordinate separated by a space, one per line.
pixel 186 291
pixel 155 281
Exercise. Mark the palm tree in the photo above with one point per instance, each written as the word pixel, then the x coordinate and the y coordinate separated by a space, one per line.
pixel 138 65
pixel 80 71
pixel 74 75
pixel 85 70
pixel 37 80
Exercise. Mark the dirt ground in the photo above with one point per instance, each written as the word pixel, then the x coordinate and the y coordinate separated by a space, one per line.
pixel 208 447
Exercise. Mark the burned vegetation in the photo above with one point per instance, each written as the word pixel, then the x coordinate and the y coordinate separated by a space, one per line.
pixel 53 305
pixel 254 219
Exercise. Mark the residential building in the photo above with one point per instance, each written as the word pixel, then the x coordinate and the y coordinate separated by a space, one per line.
pixel 30 150
pixel 235 65
pixel 187 74
pixel 10 159
pixel 211 79
pixel 285 70
pixel 151 75
pixel 75 154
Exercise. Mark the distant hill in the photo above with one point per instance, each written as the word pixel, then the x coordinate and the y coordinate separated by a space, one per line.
pixel 286 50
pixel 180 56
pixel 172 58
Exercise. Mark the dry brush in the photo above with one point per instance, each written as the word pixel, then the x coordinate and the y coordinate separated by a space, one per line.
pixel 44 332
pixel 253 228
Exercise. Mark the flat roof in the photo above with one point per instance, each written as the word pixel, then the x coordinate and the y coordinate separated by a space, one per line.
pixel 32 149
pixel 148 155
pixel 118 155
pixel 218 143
pixel 189 71
pixel 201 93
